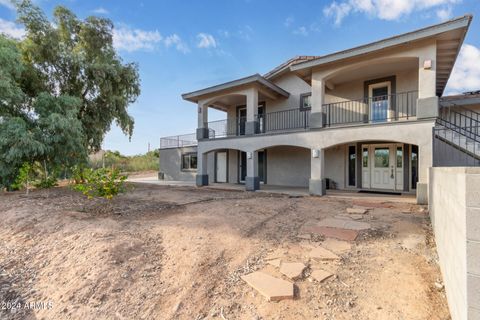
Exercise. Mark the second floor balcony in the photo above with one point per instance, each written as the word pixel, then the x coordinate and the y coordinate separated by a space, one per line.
pixel 369 110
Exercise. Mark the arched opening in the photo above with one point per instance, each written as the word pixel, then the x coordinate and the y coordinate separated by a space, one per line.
pixel 372 165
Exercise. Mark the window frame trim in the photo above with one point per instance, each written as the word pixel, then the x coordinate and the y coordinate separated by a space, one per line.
pixel 189 154
pixel 302 96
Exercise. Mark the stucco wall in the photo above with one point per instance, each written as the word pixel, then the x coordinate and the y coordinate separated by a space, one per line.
pixel 171 161
pixel 288 166
pixel 295 86
pixel 455 214
pixel 335 163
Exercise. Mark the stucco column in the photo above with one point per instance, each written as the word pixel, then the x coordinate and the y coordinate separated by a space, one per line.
pixel 317 117
pixel 202 165
pixel 252 181
pixel 427 103
pixel 317 183
pixel 425 161
pixel 202 126
pixel 251 126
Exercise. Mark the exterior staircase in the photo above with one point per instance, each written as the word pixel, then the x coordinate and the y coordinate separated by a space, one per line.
pixel 456 137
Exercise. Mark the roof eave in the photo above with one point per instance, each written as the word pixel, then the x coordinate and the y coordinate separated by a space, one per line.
pixel 193 96
pixel 457 23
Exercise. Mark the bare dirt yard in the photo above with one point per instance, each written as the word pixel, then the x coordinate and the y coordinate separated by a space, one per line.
pixel 161 252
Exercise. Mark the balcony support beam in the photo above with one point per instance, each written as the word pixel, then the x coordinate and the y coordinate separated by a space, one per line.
pixel 252 180
pixel 202 126
pixel 317 183
pixel 251 126
pixel 202 167
pixel 317 117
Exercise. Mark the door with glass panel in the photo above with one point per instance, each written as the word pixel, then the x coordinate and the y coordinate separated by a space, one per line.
pixel 379 100
pixel 383 167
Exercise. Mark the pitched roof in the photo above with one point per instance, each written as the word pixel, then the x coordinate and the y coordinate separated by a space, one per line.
pixel 195 96
pixel 286 65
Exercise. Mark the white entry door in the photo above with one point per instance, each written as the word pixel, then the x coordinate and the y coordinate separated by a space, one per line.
pixel 383 167
pixel 221 169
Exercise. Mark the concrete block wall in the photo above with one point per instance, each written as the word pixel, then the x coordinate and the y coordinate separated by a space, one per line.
pixel 455 213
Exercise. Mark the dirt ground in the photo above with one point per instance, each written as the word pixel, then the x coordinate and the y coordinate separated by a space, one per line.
pixel 161 252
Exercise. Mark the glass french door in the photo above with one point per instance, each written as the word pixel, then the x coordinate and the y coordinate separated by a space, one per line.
pixel 379 100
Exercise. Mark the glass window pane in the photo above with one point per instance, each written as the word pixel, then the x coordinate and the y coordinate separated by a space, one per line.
pixel 365 157
pixel 193 161
pixel 414 166
pixel 306 101
pixel 399 157
pixel 185 162
pixel 382 156
pixel 351 165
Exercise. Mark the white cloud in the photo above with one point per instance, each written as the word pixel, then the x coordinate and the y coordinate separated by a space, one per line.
pixel 386 9
pixel 444 13
pixel 11 29
pixel 175 41
pixel 8 4
pixel 206 40
pixel 301 31
pixel 101 10
pixel 288 22
pixel 128 39
pixel 466 72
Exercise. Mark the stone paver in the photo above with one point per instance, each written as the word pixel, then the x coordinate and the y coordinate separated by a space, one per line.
pixel 293 270
pixel 321 275
pixel 356 210
pixel 321 253
pixel 272 288
pixel 337 233
pixel 275 262
pixel 337 246
pixel 277 254
pixel 344 224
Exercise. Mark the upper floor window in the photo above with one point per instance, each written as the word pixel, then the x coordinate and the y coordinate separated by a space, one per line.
pixel 189 161
pixel 305 101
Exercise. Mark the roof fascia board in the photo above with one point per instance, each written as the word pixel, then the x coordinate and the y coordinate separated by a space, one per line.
pixel 385 43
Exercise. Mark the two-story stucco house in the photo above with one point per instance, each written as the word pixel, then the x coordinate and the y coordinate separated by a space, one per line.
pixel 359 119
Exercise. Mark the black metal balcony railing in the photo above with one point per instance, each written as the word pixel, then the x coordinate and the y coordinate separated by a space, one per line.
pixel 367 110
pixel 226 128
pixel 284 120
pixel 372 109
pixel 184 140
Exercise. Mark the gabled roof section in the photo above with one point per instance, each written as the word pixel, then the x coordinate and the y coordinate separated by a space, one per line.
pixel 461 22
pixel 284 67
pixel 195 96
pixel 464 99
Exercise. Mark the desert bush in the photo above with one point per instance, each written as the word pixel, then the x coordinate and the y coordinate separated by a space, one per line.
pixel 137 163
pixel 103 183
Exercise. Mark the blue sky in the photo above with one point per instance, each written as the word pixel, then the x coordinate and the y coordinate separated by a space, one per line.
pixel 182 46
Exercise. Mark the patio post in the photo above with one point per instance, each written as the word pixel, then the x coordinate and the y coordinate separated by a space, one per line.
pixel 317 183
pixel 202 165
pixel 252 181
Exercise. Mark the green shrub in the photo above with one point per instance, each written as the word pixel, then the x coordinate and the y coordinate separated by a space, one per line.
pixel 104 183
pixel 45 183
pixel 24 178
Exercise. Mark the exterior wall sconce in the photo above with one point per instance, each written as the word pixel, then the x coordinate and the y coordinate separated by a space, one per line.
pixel 427 64
pixel 249 155
pixel 315 153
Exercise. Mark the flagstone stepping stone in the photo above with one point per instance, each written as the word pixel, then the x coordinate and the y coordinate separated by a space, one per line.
pixel 344 224
pixel 293 270
pixel 356 210
pixel 353 216
pixel 272 288
pixel 275 262
pixel 277 254
pixel 337 233
pixel 321 253
pixel 337 246
pixel 320 275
